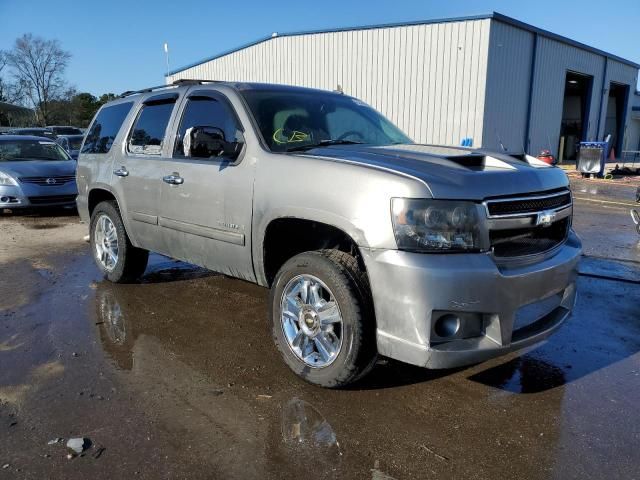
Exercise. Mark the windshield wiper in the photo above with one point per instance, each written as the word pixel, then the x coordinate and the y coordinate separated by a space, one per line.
pixel 324 143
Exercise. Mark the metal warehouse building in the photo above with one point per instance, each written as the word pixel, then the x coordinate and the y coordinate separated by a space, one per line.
pixel 490 78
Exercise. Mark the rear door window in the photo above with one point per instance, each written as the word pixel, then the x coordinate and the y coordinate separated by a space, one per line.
pixel 148 134
pixel 105 127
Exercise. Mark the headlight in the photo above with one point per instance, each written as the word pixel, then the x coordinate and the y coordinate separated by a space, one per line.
pixel 7 180
pixel 435 225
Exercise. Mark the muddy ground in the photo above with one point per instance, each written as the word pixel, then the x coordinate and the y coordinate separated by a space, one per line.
pixel 176 377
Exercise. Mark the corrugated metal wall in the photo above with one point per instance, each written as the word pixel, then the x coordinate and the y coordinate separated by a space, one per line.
pixel 553 60
pixel 428 79
pixel 624 74
pixel 633 142
pixel 440 82
pixel 508 80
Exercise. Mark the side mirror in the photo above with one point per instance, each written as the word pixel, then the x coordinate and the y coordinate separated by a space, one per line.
pixel 64 143
pixel 207 142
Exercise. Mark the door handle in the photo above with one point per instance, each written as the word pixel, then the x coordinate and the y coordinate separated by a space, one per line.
pixel 121 172
pixel 173 179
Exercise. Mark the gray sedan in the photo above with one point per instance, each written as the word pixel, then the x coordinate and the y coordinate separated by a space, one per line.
pixel 35 172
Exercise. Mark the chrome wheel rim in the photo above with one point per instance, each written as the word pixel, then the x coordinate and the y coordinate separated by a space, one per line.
pixel 311 321
pixel 105 240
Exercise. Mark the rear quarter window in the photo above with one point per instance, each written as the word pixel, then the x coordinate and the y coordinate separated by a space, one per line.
pixel 105 127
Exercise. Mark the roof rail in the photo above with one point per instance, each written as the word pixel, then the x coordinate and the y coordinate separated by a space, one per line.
pixel 192 81
pixel 176 83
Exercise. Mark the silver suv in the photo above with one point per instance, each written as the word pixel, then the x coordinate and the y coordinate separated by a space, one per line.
pixel 371 244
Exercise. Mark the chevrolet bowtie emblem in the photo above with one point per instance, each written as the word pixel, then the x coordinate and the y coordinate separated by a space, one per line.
pixel 546 218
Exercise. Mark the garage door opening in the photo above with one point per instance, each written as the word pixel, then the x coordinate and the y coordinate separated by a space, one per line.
pixel 575 114
pixel 615 121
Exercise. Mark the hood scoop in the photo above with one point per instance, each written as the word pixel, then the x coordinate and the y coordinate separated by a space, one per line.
pixel 480 162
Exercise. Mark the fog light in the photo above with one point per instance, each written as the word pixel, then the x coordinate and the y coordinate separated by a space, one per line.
pixel 447 326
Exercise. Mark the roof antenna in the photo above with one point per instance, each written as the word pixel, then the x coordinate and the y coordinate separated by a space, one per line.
pixel 339 89
pixel 504 149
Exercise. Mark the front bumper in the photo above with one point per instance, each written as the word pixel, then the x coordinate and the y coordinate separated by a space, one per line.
pixel 35 196
pixel 410 289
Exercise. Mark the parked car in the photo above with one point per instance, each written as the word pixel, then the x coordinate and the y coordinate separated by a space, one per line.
pixel 371 244
pixel 71 143
pixel 65 130
pixel 35 172
pixel 635 214
pixel 34 131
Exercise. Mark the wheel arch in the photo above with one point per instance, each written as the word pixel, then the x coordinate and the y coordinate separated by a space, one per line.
pixel 102 194
pixel 287 236
pixel 97 195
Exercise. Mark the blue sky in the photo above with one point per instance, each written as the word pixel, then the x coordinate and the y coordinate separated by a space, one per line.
pixel 117 45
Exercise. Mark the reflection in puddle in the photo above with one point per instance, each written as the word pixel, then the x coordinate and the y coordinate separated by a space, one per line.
pixel 303 425
pixel 110 315
pixel 172 271
pixel 524 374
pixel 307 432
pixel 112 322
pixel 588 189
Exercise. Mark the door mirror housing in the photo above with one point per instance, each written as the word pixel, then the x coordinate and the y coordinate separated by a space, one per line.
pixel 206 142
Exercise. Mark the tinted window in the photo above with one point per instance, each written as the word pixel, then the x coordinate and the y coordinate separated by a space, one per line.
pixel 75 141
pixel 206 112
pixel 105 127
pixel 66 130
pixel 148 132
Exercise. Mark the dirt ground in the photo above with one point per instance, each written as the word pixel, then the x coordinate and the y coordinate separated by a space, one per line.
pixel 176 377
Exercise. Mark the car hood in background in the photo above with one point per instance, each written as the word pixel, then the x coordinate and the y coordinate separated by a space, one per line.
pixel 453 173
pixel 38 168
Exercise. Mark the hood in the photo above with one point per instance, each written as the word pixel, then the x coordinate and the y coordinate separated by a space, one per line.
pixel 38 168
pixel 454 173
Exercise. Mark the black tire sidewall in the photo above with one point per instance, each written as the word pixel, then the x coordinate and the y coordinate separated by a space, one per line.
pixel 108 209
pixel 341 285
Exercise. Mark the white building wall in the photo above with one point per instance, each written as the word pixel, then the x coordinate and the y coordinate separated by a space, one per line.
pixel 553 60
pixel 508 80
pixel 440 82
pixel 428 79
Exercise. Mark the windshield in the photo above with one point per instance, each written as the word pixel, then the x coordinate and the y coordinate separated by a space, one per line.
pixel 293 120
pixel 18 150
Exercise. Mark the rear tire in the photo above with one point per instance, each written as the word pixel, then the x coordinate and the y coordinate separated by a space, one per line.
pixel 117 259
pixel 336 279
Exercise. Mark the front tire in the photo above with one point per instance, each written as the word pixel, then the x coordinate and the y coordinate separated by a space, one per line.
pixel 117 259
pixel 322 318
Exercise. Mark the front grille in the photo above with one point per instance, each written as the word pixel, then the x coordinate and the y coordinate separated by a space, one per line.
pixel 47 199
pixel 519 206
pixel 51 181
pixel 528 241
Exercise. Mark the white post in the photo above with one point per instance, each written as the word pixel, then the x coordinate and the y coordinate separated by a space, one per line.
pixel 166 52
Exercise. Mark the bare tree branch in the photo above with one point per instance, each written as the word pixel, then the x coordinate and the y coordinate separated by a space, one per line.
pixel 38 68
